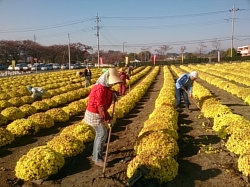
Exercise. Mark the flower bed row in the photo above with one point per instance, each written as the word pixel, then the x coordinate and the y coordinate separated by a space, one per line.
pixel 20 127
pixel 233 128
pixel 51 157
pixel 156 145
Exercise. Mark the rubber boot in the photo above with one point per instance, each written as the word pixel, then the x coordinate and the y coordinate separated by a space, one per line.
pixel 187 108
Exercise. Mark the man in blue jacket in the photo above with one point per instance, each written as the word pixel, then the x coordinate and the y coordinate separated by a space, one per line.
pixel 184 86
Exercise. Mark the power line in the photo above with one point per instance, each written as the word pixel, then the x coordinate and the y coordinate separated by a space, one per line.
pixel 45 27
pixel 167 17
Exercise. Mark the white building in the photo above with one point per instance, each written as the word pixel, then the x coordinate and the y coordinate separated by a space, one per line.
pixel 244 50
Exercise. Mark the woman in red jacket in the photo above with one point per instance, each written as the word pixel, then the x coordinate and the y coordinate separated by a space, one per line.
pixel 123 76
pixel 96 114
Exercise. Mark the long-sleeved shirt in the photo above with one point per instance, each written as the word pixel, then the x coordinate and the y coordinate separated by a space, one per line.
pixel 185 81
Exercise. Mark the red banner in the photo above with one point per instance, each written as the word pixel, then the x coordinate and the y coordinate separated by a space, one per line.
pixel 154 59
pixel 101 61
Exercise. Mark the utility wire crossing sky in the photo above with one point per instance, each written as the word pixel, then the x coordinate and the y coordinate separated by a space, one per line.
pixel 130 26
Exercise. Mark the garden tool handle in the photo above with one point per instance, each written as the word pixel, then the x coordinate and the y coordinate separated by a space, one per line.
pixel 109 136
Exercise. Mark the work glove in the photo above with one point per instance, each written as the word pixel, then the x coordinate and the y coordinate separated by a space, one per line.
pixel 110 123
pixel 104 114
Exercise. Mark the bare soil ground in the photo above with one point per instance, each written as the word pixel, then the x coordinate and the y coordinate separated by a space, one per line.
pixel 197 168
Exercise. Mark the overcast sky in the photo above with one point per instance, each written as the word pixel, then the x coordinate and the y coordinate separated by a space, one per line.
pixel 129 25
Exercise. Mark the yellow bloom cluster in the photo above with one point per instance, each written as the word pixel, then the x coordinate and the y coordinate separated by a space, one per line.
pixel 239 141
pixel 6 137
pixel 212 108
pixel 228 124
pixel 75 108
pixel 16 101
pixel 21 127
pixel 244 164
pixel 3 119
pixel 4 96
pixel 58 114
pixel 40 105
pixel 60 99
pixel 161 123
pixel 66 144
pixel 52 103
pixel 81 131
pixel 39 163
pixel 157 140
pixel 12 113
pixel 161 166
pixel 27 99
pixel 5 104
pixel 28 109
pixel 43 120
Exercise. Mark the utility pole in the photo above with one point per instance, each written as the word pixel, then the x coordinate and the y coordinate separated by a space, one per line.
pixel 123 51
pixel 232 39
pixel 123 47
pixel 97 34
pixel 69 50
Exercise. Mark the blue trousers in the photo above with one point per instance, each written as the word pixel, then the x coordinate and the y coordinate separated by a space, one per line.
pixel 178 93
pixel 100 139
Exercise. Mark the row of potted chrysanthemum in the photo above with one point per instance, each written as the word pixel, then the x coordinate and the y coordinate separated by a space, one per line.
pixel 70 142
pixel 156 145
pixel 226 79
pixel 233 128
pixel 33 122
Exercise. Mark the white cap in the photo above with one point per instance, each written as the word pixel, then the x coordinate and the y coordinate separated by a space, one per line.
pixel 194 74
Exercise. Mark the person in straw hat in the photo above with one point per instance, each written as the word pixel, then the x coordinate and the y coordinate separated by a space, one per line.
pixel 123 76
pixel 96 114
pixel 184 86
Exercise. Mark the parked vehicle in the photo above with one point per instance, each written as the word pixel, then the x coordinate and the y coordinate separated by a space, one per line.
pixel 56 66
pixel 22 66
pixel 90 65
pixel 36 67
pixel 65 66
pixel 47 67
pixel 10 68
pixel 75 66
pixel 2 66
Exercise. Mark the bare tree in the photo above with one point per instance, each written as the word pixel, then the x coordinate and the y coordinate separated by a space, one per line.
pixel 163 49
pixel 216 44
pixel 201 48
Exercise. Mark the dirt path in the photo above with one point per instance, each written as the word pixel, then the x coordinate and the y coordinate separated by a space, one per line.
pixel 197 167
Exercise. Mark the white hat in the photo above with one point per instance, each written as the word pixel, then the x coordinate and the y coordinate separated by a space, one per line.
pixel 113 76
pixel 194 74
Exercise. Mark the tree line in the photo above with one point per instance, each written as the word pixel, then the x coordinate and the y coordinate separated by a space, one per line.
pixel 27 51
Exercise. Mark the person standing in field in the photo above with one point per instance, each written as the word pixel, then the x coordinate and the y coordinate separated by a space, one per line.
pixel 184 86
pixel 128 70
pixel 100 99
pixel 87 75
pixel 123 76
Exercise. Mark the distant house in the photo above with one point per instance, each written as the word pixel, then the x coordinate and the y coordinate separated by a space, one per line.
pixel 244 50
